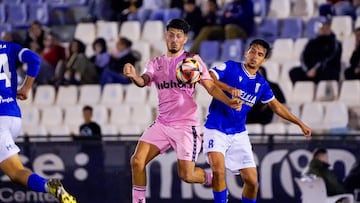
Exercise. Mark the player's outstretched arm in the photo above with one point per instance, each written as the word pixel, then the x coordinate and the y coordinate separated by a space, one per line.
pixel 33 66
pixel 284 113
pixel 217 93
pixel 129 71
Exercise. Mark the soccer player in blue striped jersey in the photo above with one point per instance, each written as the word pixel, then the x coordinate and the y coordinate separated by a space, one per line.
pixel 10 120
pixel 226 141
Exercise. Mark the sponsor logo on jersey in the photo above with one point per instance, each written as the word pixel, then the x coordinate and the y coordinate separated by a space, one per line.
pixel 6 100
pixel 173 84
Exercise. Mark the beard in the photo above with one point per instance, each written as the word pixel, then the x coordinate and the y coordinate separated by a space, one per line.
pixel 173 51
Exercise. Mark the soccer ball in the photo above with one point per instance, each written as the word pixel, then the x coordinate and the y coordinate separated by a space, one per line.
pixel 188 71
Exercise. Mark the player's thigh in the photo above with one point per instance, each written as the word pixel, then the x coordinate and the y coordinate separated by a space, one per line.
pixel 145 152
pixel 9 129
pixel 186 141
pixel 216 161
pixel 240 154
pixel 214 141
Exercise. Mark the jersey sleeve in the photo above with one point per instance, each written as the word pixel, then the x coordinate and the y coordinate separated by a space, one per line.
pixel 149 70
pixel 220 70
pixel 268 94
pixel 32 60
pixel 203 68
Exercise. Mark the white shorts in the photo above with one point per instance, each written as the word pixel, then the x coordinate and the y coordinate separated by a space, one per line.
pixel 9 129
pixel 236 148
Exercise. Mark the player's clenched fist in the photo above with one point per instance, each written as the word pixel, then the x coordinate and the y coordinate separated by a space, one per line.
pixel 129 70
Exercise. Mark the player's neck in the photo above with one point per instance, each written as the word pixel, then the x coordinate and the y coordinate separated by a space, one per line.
pixel 251 70
pixel 170 54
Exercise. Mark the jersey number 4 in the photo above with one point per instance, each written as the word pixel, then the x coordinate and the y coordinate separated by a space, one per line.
pixel 4 70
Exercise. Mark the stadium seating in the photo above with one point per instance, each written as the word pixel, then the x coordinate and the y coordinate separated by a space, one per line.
pixel 303 92
pixel 112 95
pixel 291 28
pixel 153 30
pixel 86 32
pixel 268 29
pixel 342 26
pixel 232 50
pixel 44 95
pixel 272 70
pixel 336 116
pixel 312 114
pixel 299 46
pixel 312 26
pixel 134 94
pixel 277 128
pixel 130 30
pixel 327 90
pixel 170 14
pixel 2 13
pixel 349 93
pixel 89 94
pixel 39 12
pixel 107 30
pixel 66 96
pixel 260 9
pixel 33 1
pixel 17 14
pixel 210 51
pixel 281 50
pixel 280 9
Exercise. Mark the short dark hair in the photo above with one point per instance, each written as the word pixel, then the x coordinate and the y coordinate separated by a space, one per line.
pixel 262 43
pixel 319 151
pixel 102 42
pixel 125 41
pixel 180 24
pixel 87 108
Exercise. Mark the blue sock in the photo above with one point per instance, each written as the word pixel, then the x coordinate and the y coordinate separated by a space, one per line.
pixel 36 183
pixel 246 200
pixel 220 197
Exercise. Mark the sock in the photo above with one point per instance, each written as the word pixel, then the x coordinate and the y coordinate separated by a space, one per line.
pixel 36 183
pixel 246 200
pixel 220 197
pixel 138 194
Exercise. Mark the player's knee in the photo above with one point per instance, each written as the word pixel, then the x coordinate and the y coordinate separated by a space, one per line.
pixel 218 172
pixel 137 163
pixel 251 182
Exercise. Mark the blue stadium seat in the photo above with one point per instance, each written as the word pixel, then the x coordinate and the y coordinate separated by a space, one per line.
pixel 33 1
pixel 209 51
pixel 268 29
pixel 11 1
pixel 17 14
pixel 2 13
pixel 260 8
pixel 311 26
pixel 5 27
pixel 232 50
pixel 75 2
pixel 39 12
pixel 171 14
pixel 291 28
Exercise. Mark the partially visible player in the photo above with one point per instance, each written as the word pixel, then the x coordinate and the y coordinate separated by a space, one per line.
pixel 177 125
pixel 10 120
pixel 226 141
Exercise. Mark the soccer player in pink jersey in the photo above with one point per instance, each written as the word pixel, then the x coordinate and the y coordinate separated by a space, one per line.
pixel 177 125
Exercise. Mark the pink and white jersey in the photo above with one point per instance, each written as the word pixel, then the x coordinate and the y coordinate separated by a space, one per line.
pixel 176 103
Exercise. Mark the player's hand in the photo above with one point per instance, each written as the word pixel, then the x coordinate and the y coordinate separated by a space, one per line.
pixel 235 92
pixel 236 103
pixel 129 70
pixel 22 93
pixel 306 130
